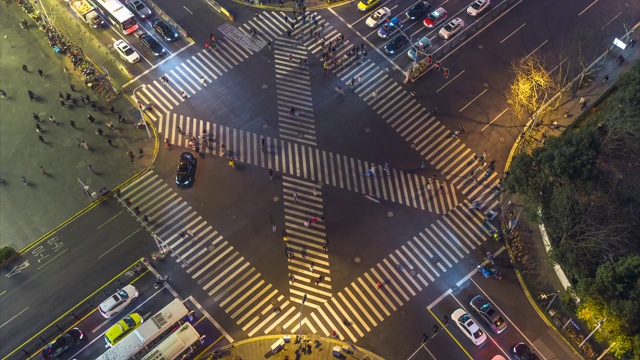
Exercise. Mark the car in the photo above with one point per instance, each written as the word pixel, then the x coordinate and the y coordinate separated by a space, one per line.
pixel 418 10
pixel 396 44
pixel 186 172
pixel 521 351
pixel 122 328
pixel 421 46
pixel 65 342
pixel 378 17
pixel 488 314
pixel 451 28
pixel 390 27
pixel 126 52
pixel 469 327
pixel 152 44
pixel 435 17
pixel 367 5
pixel 118 301
pixel 498 357
pixel 139 8
pixel 477 7
pixel 163 29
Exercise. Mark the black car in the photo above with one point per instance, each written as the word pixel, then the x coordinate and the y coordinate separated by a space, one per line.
pixel 396 44
pixel 186 173
pixel 163 29
pixel 152 44
pixel 521 351
pixel 418 10
pixel 62 344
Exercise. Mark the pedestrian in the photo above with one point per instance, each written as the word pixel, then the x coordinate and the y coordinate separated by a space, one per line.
pixel 52 119
pixel 87 97
pixel 290 57
pixel 295 197
pixel 435 111
pixel 386 168
pixel 91 170
pixel 73 87
pixel 581 101
pixel 32 96
pixel 36 117
pixel 91 118
pixel 109 142
pixel 304 253
pixel 311 266
pixel 306 223
pixel 292 278
pixel 606 78
pixel 269 44
pixel 38 128
pixel 62 104
pixel 41 139
pixel 203 81
pixel 374 94
pixel 43 171
pixel 379 284
pixel 436 328
pixel 85 145
pixel 121 119
pixel 132 156
pixel 164 79
pixel 25 69
pixel 68 96
pixel 315 192
pixel 325 245
pixel 184 95
pixel 583 105
pixel 24 180
pixel 41 73
pixel 273 228
pixel 3 93
pixel 189 232
pixel 73 124
pixel 112 109
pixel 322 216
pixel 270 174
pixel 137 210
pixel 632 42
pixel 425 338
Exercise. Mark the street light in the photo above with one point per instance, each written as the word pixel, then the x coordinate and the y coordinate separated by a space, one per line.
pixel 304 298
pixel 139 106
pixel 594 330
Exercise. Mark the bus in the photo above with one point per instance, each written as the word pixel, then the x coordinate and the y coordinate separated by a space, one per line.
pixel 150 332
pixel 178 345
pixel 119 15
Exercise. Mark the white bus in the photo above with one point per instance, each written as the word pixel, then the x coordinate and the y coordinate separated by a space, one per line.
pixel 150 332
pixel 119 15
pixel 179 344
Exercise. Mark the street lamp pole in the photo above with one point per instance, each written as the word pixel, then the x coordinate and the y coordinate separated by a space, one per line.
pixel 10 44
pixel 304 298
pixel 140 108
pixel 594 330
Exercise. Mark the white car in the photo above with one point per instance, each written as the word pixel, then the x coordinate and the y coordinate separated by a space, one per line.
pixel 477 7
pixel 469 327
pixel 118 301
pixel 378 17
pixel 451 28
pixel 126 52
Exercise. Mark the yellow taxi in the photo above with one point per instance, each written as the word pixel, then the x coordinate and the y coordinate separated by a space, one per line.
pixel 126 325
pixel 367 5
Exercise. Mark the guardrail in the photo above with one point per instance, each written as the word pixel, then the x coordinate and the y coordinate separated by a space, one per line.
pixel 168 19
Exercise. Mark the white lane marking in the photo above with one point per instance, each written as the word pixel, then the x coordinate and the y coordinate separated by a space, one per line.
pixel 514 31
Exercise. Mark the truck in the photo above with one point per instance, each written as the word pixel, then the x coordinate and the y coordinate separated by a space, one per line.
pixel 87 12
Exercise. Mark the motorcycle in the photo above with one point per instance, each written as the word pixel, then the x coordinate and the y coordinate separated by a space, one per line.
pixel 486 273
pixel 496 273
pixel 160 283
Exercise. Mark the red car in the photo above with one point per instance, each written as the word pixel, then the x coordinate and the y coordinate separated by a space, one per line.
pixel 435 17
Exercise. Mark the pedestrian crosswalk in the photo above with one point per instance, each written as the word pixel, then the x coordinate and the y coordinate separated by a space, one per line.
pixel 309 272
pixel 218 268
pixel 313 164
pixel 293 88
pixel 402 275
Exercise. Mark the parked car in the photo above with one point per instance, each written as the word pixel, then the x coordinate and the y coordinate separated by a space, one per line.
pixel 469 327
pixel 418 10
pixel 118 301
pixel 186 172
pixel 389 28
pixel 126 52
pixel 378 17
pixel 139 8
pixel 477 7
pixel 63 343
pixel 451 28
pixel 163 29
pixel 435 17
pixel 122 328
pixel 152 44
pixel 396 44
pixel 488 314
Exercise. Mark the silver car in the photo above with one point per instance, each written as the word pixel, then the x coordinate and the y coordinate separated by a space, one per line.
pixel 139 8
pixel 488 314
pixel 451 28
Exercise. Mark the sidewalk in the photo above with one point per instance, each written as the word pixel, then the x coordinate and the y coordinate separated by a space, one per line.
pixel 569 114
pixel 56 194
pixel 321 349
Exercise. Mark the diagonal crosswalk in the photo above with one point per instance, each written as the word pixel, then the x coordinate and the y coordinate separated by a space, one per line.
pixel 293 88
pixel 313 164
pixel 307 242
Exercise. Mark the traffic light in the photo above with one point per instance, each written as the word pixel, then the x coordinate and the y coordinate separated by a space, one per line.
pixel 438 65
pixel 446 73
pixel 429 59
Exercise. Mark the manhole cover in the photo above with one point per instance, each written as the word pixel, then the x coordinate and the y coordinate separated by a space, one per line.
pixel 357 259
pixel 276 199
pixel 265 86
pixel 367 130
pixel 211 247
pixel 413 145
pixel 390 214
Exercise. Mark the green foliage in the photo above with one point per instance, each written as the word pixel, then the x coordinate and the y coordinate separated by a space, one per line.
pixel 6 253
